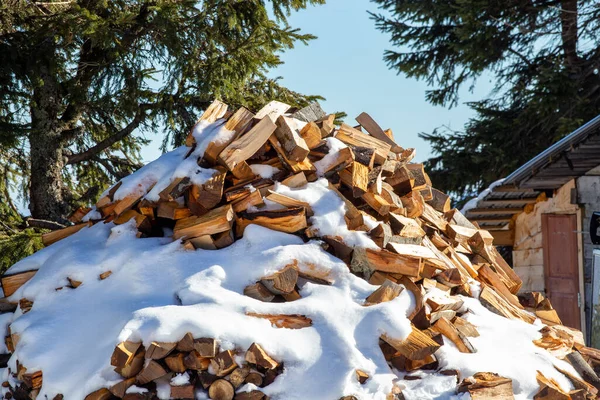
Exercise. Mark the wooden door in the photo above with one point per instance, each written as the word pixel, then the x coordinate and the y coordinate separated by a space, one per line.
pixel 561 269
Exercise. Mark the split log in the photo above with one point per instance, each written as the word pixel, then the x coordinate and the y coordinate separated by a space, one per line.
pixel 256 355
pixel 259 291
pixel 446 328
pixel 120 388
pixel 54 236
pixel 311 135
pixel 223 363
pixel 367 261
pixel 215 221
pixel 354 137
pixel 183 392
pixel 206 347
pixel 151 371
pixel 221 390
pixel 159 350
pixel 289 220
pixel 487 385
pixel 238 123
pixel 12 282
pixel 375 130
pixel 272 110
pixel 386 292
pixel 416 346
pixel 283 281
pixel 294 145
pixel 244 147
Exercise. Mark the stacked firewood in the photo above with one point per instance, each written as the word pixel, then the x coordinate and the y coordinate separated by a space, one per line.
pixel 424 246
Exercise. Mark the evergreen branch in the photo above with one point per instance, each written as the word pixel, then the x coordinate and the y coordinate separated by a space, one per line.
pixel 111 140
pixel 43 224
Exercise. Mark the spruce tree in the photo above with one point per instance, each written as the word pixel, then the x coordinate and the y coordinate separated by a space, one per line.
pixel 543 55
pixel 82 82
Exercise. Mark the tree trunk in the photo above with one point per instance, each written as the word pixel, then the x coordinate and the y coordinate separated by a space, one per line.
pixel 46 150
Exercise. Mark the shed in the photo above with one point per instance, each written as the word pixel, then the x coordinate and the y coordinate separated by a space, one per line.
pixel 543 214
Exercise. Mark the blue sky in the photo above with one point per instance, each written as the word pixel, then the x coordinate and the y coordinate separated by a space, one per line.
pixel 345 65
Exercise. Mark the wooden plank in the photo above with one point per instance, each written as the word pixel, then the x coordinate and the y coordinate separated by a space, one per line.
pixel 354 137
pixel 244 147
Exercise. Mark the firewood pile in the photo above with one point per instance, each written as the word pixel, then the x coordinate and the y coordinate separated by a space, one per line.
pixel 423 246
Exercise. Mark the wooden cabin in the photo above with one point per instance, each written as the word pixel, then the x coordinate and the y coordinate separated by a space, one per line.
pixel 543 215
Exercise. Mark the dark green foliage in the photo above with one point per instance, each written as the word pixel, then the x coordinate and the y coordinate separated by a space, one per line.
pixel 18 245
pixel 82 82
pixel 544 56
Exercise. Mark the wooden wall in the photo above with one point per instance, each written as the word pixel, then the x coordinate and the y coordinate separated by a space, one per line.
pixel 528 258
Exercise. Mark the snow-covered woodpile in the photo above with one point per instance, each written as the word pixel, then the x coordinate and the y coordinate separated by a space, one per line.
pixel 343 274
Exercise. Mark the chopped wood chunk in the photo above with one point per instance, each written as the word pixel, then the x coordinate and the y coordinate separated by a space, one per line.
pixel 33 380
pixel 151 371
pixel 251 395
pixel 311 135
pixel 244 147
pixel 367 261
pixel 237 377
pixel 175 362
pixel 375 130
pixel 256 355
pixel 100 394
pixel 416 346
pixel 487 385
pixel 292 142
pixel 289 202
pixel 206 347
pixel 361 376
pixel 223 363
pixel 183 392
pixel 195 361
pixel 221 390
pixel 215 221
pixel 124 353
pixel 159 350
pixel 105 275
pixel 289 220
pixel 12 282
pixel 120 388
pixel 446 328
pixel 238 123
pixel 54 236
pixel 295 181
pixel 354 137
pixel 283 281
pixel 386 292
pixel 259 291
pixel 272 110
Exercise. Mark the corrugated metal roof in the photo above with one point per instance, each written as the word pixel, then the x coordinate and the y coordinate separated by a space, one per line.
pixel 569 158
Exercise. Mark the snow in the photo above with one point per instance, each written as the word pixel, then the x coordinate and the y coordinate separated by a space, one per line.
pixel 181 379
pixel 329 210
pixel 265 171
pixel 472 203
pixel 136 389
pixel 334 145
pixel 158 291
pixel 159 173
